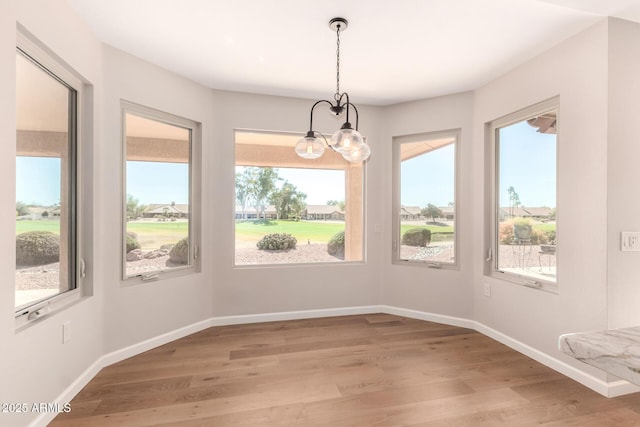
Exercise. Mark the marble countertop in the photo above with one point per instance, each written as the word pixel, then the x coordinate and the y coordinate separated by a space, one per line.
pixel 615 351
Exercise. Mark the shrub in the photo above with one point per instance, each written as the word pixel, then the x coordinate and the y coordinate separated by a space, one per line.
pixel 551 236
pixel 335 247
pixel 37 248
pixel 276 242
pixel 132 241
pixel 538 237
pixel 505 233
pixel 525 231
pixel 179 253
pixel 417 237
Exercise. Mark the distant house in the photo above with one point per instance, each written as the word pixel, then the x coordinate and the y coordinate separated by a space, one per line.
pixel 250 212
pixel 410 212
pixel 171 210
pixel 323 212
pixel 448 212
pixel 539 213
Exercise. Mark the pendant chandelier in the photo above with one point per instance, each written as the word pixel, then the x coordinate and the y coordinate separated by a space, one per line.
pixel 346 140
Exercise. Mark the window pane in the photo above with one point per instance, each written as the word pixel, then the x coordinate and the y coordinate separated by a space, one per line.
pixel 427 200
pixel 157 231
pixel 527 198
pixel 45 216
pixel 282 201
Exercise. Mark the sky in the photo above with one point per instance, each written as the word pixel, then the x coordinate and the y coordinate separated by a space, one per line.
pixel 527 163
pixel 158 182
pixel 38 180
pixel 320 185
pixel 428 178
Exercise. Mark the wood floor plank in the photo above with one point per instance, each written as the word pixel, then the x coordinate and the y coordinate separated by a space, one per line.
pixel 374 370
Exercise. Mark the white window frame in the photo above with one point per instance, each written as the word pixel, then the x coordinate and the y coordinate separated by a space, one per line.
pixel 397 172
pixel 492 226
pixel 35 51
pixel 195 130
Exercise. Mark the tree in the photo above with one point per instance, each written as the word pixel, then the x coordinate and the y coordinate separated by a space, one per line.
pixel 256 186
pixel 514 200
pixel 432 211
pixel 289 202
pixel 134 208
pixel 21 209
pixel 242 192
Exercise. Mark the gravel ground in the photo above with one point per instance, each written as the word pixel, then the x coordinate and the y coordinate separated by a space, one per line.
pixel 46 276
pixel 303 253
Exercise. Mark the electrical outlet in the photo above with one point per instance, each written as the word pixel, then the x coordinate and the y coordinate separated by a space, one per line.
pixel 66 332
pixel 487 289
pixel 630 241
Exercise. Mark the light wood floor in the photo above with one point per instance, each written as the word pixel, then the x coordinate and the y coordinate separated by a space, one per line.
pixel 369 370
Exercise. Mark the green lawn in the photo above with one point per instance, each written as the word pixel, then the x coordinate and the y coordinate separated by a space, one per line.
pixel 314 231
pixel 154 234
pixel 434 228
pixel 151 234
pixel 52 225
pixel 545 226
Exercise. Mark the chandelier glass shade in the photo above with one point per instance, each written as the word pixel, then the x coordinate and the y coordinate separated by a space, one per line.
pixel 310 147
pixel 347 141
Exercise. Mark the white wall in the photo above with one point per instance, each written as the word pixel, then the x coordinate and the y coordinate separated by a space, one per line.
pixel 623 171
pixel 34 364
pixel 137 312
pixel 576 70
pixel 443 291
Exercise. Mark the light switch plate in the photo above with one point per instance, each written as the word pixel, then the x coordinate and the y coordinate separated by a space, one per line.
pixel 486 289
pixel 66 332
pixel 630 241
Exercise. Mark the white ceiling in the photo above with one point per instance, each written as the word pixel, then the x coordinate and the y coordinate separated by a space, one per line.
pixel 393 51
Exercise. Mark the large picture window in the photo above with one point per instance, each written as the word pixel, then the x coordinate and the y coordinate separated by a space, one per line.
pixel 291 210
pixel 160 209
pixel 46 144
pixel 524 216
pixel 424 193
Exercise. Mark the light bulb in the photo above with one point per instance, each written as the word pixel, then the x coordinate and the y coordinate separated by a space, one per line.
pixel 309 147
pixel 346 139
pixel 359 154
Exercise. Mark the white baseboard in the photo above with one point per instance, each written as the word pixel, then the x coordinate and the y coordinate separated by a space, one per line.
pixel 611 389
pixel 621 387
pixel 141 347
pixel 293 315
pixel 583 378
pixel 429 317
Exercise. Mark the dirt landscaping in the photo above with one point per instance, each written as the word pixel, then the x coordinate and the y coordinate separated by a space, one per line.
pixel 46 276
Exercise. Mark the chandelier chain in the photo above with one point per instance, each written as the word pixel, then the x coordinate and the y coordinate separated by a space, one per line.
pixel 337 94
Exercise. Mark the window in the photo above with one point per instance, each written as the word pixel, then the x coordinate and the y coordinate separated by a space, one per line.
pixel 424 193
pixel 160 197
pixel 47 216
pixel 291 210
pixel 524 207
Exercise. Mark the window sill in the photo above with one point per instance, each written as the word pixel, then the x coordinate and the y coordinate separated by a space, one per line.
pixel 531 282
pixel 427 264
pixel 38 312
pixel 155 276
